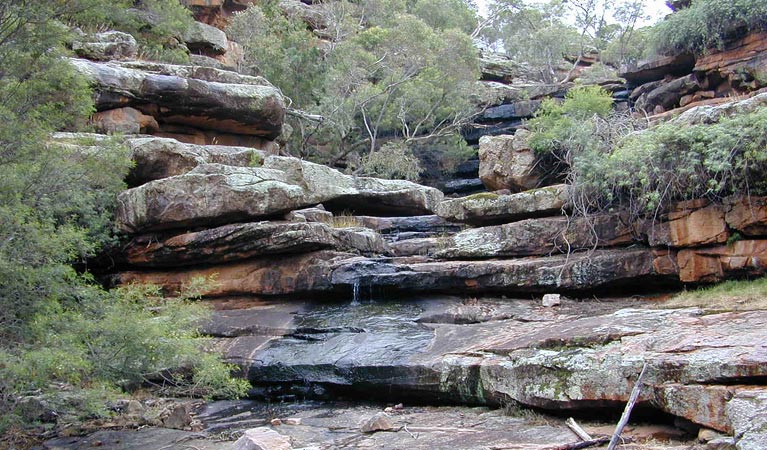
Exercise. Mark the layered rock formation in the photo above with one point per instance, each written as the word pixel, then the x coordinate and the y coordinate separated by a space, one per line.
pixel 275 233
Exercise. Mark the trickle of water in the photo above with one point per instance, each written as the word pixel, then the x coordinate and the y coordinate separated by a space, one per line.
pixel 356 293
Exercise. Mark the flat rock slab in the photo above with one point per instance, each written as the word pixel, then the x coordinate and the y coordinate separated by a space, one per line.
pixel 247 240
pixel 599 269
pixel 561 358
pixel 146 439
pixel 489 208
pixel 337 272
pixel 542 236
pixel 315 425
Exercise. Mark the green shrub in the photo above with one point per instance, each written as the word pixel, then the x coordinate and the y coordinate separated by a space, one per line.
pixel 673 162
pixel 708 24
pixel 127 337
pixel 393 160
pixel 613 164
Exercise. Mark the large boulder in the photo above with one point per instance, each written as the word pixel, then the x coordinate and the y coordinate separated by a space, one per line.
pixel 157 158
pixel 208 194
pixel 262 438
pixel 195 96
pixel 213 194
pixel 201 37
pixel 507 162
pixel 361 195
pixel 667 95
pixel 489 208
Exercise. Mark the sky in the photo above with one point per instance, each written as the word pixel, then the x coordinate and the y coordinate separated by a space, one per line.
pixel 657 9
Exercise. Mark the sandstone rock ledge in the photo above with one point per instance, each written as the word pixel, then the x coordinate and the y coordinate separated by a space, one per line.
pixel 200 97
pixel 327 271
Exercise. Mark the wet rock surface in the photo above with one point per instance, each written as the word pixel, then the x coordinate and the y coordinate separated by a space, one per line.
pixel 569 357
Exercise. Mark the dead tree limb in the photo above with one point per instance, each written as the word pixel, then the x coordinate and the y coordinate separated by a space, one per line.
pixel 627 412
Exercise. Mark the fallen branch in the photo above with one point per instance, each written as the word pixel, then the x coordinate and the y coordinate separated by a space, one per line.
pixel 583 444
pixel 304 115
pixel 627 412
pixel 575 428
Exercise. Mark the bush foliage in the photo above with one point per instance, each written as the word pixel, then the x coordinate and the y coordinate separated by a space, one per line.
pixel 707 24
pixel 391 71
pixel 57 326
pixel 614 164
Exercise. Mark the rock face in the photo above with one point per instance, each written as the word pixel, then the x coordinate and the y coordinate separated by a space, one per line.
pixel 493 208
pixel 507 162
pixel 337 272
pixel 712 264
pixel 747 215
pixel 124 120
pixel 658 68
pixel 195 96
pixel 700 224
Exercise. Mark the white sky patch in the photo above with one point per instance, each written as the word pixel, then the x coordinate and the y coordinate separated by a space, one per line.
pixel 656 9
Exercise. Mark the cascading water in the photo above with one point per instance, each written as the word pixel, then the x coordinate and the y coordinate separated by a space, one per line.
pixel 356 293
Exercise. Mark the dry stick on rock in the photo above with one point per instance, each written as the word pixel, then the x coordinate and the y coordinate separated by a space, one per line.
pixel 583 444
pixel 627 412
pixel 575 428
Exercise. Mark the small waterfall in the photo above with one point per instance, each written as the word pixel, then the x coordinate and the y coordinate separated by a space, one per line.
pixel 356 293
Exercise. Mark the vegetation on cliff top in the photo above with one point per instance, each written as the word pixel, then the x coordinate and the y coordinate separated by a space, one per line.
pixel 708 24
pixel 614 164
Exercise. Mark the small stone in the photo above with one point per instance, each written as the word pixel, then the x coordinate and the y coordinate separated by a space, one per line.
pixel 388 409
pixel 133 408
pixel 293 421
pixel 179 418
pixel 706 435
pixel 550 300
pixel 262 439
pixel 399 406
pixel 276 422
pixel 379 422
